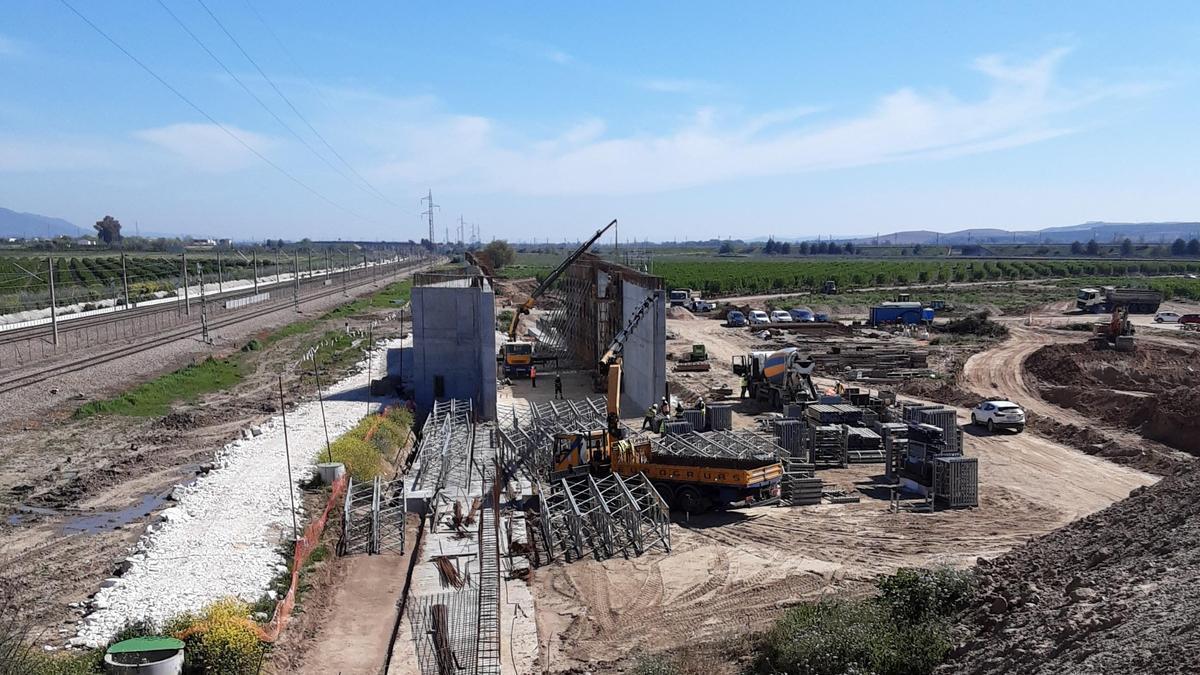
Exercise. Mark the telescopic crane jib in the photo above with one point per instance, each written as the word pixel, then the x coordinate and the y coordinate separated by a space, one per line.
pixel 518 356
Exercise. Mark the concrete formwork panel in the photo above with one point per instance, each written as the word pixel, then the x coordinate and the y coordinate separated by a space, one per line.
pixel 454 346
pixel 645 359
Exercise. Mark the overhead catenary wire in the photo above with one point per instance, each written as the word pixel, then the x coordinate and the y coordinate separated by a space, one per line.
pixel 209 117
pixel 262 104
pixel 289 103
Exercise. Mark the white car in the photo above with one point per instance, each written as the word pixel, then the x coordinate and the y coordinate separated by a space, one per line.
pixel 1166 317
pixel 781 316
pixel 998 414
pixel 759 317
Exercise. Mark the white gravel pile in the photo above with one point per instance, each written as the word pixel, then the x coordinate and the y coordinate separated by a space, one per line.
pixel 221 537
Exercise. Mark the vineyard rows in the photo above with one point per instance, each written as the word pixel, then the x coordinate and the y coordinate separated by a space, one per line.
pixel 730 277
pixel 24 283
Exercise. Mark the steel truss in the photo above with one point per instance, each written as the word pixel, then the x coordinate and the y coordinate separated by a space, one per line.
pixel 602 517
pixel 373 517
pixel 720 445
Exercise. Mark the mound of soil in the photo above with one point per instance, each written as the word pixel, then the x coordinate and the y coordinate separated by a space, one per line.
pixel 1115 592
pixel 680 313
pixel 1151 391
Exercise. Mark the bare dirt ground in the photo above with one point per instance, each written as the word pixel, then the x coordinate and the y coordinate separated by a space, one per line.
pixel 75 494
pixel 730 574
pixel 1001 372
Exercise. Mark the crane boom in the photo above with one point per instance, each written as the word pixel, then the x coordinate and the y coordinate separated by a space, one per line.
pixel 552 277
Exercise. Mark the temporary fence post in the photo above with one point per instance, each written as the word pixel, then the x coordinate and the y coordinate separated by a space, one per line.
pixel 53 308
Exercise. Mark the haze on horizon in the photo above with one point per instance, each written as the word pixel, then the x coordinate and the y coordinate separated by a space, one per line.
pixel 544 121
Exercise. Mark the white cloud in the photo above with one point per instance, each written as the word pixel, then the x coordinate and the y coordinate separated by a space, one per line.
pixel 680 86
pixel 206 147
pixel 1024 104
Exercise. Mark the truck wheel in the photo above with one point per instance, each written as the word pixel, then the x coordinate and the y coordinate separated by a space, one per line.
pixel 665 491
pixel 688 499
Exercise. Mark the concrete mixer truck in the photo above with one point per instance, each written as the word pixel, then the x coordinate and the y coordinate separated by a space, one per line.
pixel 779 377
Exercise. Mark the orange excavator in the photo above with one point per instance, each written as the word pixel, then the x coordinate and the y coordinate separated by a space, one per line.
pixel 1116 334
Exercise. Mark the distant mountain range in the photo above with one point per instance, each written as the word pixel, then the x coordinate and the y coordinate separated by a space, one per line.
pixel 29 225
pixel 1100 231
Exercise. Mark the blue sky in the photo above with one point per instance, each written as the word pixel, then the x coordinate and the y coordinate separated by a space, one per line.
pixel 546 120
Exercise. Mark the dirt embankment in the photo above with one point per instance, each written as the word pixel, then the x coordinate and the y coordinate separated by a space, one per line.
pixel 1151 391
pixel 1115 592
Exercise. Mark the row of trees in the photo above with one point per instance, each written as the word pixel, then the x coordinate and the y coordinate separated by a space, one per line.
pixel 1179 247
pixel 773 247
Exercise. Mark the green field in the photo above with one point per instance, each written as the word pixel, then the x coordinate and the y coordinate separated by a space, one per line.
pixel 718 275
pixel 25 279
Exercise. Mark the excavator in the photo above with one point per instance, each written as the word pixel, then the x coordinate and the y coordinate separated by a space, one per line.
pixel 692 484
pixel 1117 333
pixel 517 356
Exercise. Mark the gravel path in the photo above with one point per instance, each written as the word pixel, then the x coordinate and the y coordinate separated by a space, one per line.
pixel 221 538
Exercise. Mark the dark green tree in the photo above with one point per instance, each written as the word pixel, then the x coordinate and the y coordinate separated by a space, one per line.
pixel 109 230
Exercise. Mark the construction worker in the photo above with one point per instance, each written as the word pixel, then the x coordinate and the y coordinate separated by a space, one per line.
pixel 557 385
pixel 533 376
pixel 648 420
pixel 678 409
pixel 745 385
pixel 664 408
pixel 700 407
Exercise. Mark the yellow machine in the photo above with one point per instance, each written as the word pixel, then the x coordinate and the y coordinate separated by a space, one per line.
pixel 693 484
pixel 517 356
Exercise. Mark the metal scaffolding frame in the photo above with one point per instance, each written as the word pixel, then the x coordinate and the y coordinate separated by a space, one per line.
pixel 373 517
pixel 720 445
pixel 444 460
pixel 602 517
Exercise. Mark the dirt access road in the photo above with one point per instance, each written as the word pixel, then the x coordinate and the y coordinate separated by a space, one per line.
pixel 1000 373
pixel 734 572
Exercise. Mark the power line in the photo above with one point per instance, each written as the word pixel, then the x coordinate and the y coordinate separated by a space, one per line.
pixel 206 116
pixel 291 105
pixel 260 102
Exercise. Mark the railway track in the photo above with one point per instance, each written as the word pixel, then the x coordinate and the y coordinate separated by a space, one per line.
pixel 171 335
pixel 69 322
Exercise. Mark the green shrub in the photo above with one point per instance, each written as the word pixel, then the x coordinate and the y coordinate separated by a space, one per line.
pixel 833 637
pixel 917 595
pixel 903 631
pixel 220 639
pixel 62 663
pixel 975 324
pixel 362 459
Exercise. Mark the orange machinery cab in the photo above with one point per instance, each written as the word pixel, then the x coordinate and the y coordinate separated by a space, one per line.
pixel 580 453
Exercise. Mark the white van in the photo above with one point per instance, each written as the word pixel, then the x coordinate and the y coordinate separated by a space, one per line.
pixel 781 316
pixel 759 317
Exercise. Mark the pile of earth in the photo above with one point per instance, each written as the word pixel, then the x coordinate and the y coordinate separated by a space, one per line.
pixel 1152 390
pixel 1115 592
pixel 680 313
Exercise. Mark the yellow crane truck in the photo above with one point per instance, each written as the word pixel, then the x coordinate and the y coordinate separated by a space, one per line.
pixel 689 483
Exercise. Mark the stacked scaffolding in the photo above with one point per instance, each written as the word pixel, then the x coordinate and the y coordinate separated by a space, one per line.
pixel 719 445
pixel 444 459
pixel 586 516
pixel 373 516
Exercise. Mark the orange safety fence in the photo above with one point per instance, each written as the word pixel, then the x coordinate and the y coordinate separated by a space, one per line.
pixel 305 546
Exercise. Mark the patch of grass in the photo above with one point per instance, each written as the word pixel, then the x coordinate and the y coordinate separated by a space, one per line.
pixel 297 328
pixel 62 663
pixel 903 631
pixel 655 664
pixel 154 398
pixel 977 324
pixel 220 639
pixel 390 297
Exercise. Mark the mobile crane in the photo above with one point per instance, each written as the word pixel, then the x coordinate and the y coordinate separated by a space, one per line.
pixel 517 356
